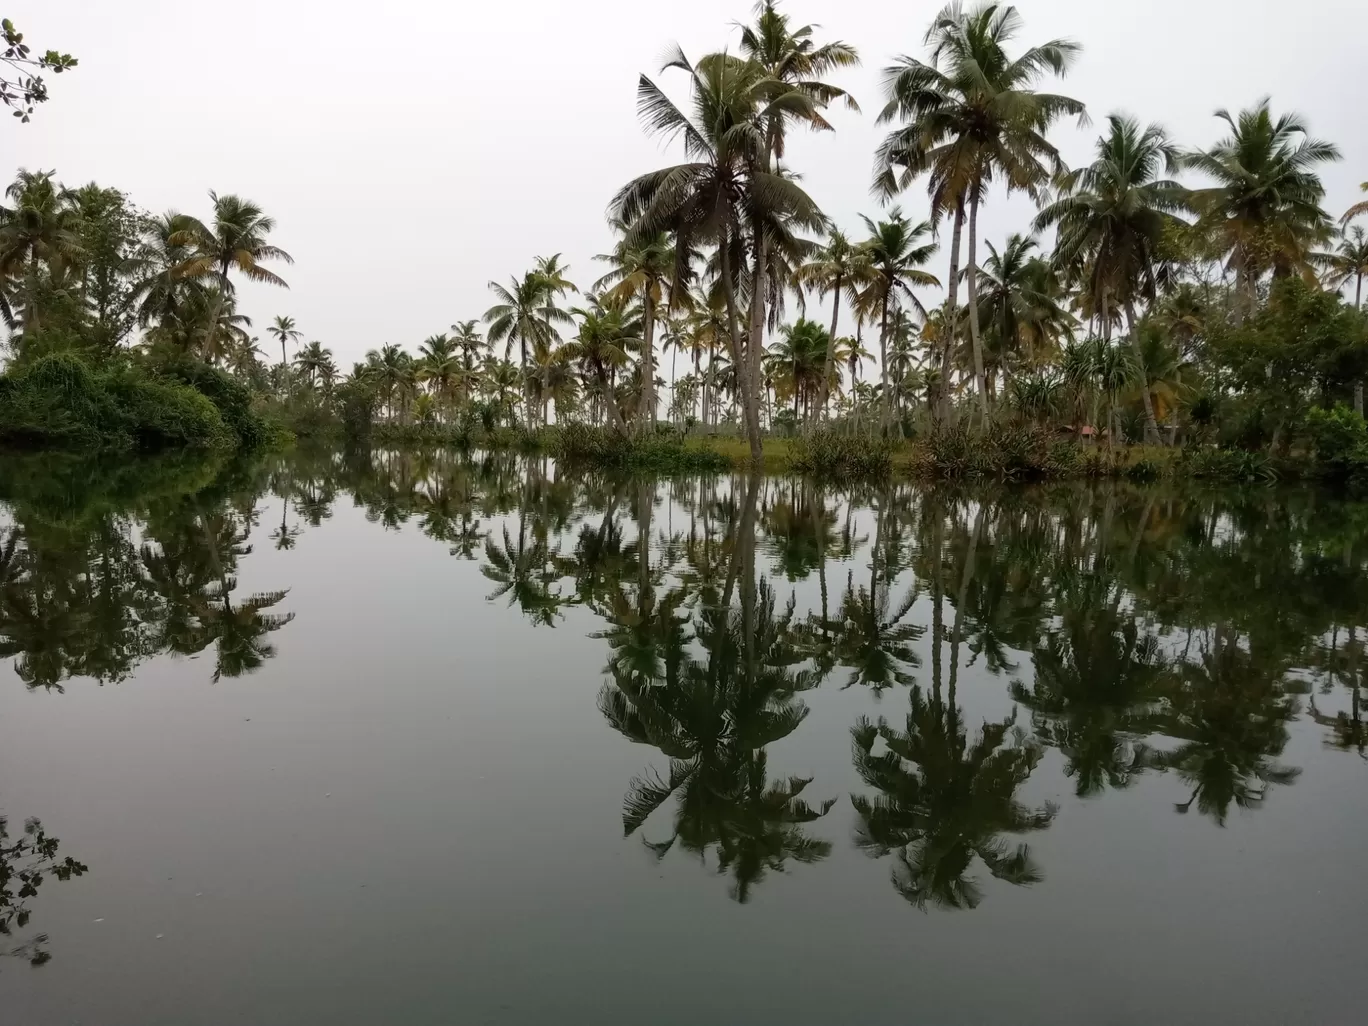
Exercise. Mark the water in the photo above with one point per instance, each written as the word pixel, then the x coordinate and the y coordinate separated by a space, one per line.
pixel 422 739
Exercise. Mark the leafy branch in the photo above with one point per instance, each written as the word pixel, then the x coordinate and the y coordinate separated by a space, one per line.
pixel 26 88
pixel 24 865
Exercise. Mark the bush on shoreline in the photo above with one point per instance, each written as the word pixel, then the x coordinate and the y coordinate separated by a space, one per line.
pixel 59 402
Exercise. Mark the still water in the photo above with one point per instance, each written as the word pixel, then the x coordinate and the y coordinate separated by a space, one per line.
pixel 359 738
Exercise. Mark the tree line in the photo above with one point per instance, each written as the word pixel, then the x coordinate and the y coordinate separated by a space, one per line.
pixel 1160 294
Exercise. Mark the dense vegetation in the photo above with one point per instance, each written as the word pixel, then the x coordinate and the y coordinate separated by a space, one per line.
pixel 81 273
pixel 1167 296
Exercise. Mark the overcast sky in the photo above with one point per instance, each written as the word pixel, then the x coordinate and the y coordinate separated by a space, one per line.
pixel 411 150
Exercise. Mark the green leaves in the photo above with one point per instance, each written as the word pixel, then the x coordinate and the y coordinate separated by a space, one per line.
pixel 25 90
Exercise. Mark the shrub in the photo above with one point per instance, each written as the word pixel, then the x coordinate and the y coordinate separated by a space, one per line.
pixel 828 454
pixel 59 401
pixel 1340 437
pixel 232 397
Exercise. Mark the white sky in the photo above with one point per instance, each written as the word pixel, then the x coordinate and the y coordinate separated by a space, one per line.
pixel 411 150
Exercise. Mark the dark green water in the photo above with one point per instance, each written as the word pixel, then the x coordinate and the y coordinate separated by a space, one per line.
pixel 416 739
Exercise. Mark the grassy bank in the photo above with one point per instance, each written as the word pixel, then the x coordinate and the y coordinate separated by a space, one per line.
pixel 1005 452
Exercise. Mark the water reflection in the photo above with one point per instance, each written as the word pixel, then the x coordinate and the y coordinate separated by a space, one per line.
pixel 1139 633
pixel 714 711
pixel 93 581
pixel 26 862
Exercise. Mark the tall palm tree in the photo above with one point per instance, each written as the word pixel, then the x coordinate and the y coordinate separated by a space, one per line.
pixel 601 348
pixel 158 266
pixel 312 361
pixel 1264 210
pixel 466 337
pixel 1021 300
pixel 440 367
pixel 795 62
pixel 970 116
pixel 1345 263
pixel 838 267
pixel 235 240
pixel 895 252
pixel 285 331
pixel 798 357
pixel 1113 217
pixel 641 273
pixel 41 227
pixel 727 193
pixel 526 315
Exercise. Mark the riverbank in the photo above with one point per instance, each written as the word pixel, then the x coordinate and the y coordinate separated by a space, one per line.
pixel 1005 452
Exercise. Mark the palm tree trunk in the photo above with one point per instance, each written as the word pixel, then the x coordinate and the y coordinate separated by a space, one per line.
pixel 646 412
pixel 218 312
pixel 948 343
pixel 610 400
pixel 830 363
pixel 747 383
pixel 972 300
pixel 1151 428
pixel 886 412
pixel 733 326
pixel 1358 385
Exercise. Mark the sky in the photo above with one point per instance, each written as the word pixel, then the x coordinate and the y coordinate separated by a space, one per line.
pixel 413 150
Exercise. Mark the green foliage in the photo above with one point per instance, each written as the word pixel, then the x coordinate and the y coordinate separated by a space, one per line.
pixel 232 397
pixel 26 88
pixel 58 401
pixel 1304 343
pixel 1228 465
pixel 602 447
pixel 1006 450
pixel 1340 437
pixel 828 454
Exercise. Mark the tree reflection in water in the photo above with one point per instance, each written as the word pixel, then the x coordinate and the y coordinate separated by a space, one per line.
pixel 1166 634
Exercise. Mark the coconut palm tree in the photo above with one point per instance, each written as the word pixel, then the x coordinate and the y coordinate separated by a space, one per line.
pixel 727 194
pixel 313 361
pixel 526 314
pixel 1112 217
pixel 440 367
pixel 1264 210
pixel 1021 301
pixel 970 117
pixel 245 358
pixel 600 348
pixel 838 267
pixel 43 226
pixel 798 358
pixel 158 267
pixel 641 273
pixel 235 240
pixel 285 331
pixel 895 252
pixel 468 342
pixel 1347 262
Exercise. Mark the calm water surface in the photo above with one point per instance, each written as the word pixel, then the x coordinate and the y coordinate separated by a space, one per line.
pixel 400 738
